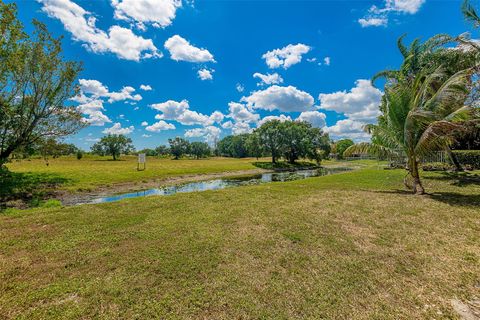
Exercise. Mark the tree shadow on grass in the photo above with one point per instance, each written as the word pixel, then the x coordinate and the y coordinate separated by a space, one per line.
pixel 451 198
pixel 458 179
pixel 27 187
pixel 457 199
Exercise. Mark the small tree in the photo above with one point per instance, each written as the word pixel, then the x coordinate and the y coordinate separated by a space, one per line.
pixel 178 147
pixel 254 147
pixel 148 152
pixel 319 145
pixel 79 154
pixel 113 145
pixel 35 83
pixel 162 151
pixel 341 146
pixel 200 149
pixel 270 136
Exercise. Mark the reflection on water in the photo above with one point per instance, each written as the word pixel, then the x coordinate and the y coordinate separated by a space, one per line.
pixel 224 183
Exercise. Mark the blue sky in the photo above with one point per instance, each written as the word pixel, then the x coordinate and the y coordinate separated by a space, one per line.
pixel 196 61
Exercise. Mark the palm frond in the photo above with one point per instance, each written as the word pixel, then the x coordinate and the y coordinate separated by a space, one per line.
pixel 369 148
pixel 451 95
pixel 401 47
pixel 436 137
pixel 470 13
pixel 436 41
pixel 385 74
pixel 465 113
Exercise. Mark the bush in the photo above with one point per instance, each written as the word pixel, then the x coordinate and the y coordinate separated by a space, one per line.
pixel 436 166
pixel 468 158
pixel 79 155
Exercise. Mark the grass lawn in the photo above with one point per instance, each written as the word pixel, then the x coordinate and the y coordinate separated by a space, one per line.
pixel 346 246
pixel 93 171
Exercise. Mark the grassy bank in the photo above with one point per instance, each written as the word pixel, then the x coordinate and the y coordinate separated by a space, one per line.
pixel 91 171
pixel 346 246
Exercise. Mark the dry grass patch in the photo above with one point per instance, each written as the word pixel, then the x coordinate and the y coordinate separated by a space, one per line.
pixel 348 246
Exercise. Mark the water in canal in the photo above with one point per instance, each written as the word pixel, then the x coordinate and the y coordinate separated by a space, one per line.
pixel 224 183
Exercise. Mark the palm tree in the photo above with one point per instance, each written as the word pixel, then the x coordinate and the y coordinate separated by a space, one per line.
pixel 470 13
pixel 422 104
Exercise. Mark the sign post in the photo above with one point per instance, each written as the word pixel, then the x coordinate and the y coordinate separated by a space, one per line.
pixel 141 160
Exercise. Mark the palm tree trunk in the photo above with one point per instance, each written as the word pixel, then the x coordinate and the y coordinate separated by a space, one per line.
pixel 417 183
pixel 454 159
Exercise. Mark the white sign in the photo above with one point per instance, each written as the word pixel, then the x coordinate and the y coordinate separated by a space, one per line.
pixel 141 158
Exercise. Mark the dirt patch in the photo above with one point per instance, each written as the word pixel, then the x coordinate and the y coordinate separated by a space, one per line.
pixel 72 198
pixel 467 311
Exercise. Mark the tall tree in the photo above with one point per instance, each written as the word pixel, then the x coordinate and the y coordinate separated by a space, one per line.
pixel 200 149
pixel 162 150
pixel 253 145
pixel 113 145
pixel 270 135
pixel 178 147
pixel 35 83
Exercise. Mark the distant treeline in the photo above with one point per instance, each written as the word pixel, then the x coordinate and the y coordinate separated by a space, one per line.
pixel 291 140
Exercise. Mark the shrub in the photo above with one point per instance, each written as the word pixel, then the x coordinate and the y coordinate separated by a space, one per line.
pixel 79 155
pixel 468 158
pixel 436 166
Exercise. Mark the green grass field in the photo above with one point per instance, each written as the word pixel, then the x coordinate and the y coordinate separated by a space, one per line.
pixel 93 171
pixel 347 246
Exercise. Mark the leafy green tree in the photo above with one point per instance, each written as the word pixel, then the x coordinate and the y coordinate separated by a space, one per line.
pixel 51 147
pixel 424 103
pixel 254 147
pixel 234 146
pixel 270 136
pixel 162 151
pixel 342 145
pixel 79 154
pixel 113 145
pixel 296 139
pixel 148 152
pixel 319 145
pixel 200 149
pixel 178 147
pixel 35 83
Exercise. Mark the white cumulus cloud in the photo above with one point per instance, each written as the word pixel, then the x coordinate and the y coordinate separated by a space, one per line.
pixel 268 79
pixel 82 25
pixel 348 128
pixel 317 119
pixel 377 17
pixel 160 126
pixel 360 103
pixel 181 50
pixel 239 87
pixel 146 87
pixel 98 90
pixel 285 99
pixel 373 22
pixel 211 134
pixel 117 129
pixel 159 13
pixel 286 56
pixel 206 74
pixel 240 113
pixel 281 118
pixel 180 112
pixel 94 111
